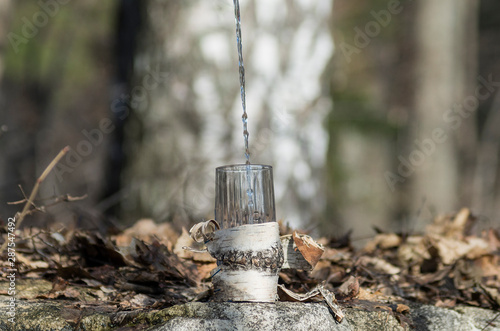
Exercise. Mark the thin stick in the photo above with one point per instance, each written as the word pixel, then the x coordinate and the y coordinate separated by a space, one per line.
pixel 34 192
pixel 40 179
pixel 55 200
pixel 490 322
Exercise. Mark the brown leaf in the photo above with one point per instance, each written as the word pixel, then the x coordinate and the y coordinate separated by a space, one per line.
pixel 433 277
pixel 379 265
pixel 402 309
pixel 142 300
pixel 73 271
pixel 477 247
pixel 185 240
pixel 494 239
pixel 204 270
pixel 310 250
pixel 383 241
pixel 455 227
pixel 446 303
pixel 96 250
pixel 462 223
pixel 157 257
pixel 493 293
pixel 368 295
pixel 450 250
pixel 70 293
pixel 337 255
pixel 489 265
pixel 322 270
pixel 285 277
pixel 336 276
pixel 413 251
pixel 58 284
pixel 383 307
pixel 349 289
pixel 148 231
pixel 60 289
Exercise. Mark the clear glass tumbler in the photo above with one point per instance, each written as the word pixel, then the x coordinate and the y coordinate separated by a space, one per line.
pixel 244 194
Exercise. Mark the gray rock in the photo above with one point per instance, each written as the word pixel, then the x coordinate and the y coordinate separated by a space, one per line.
pixel 56 315
pixel 460 318
pixel 316 316
pixel 35 315
pixel 251 316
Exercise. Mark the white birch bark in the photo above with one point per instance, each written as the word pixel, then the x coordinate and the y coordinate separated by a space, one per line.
pixel 248 262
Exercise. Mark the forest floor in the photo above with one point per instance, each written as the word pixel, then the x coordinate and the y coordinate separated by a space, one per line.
pixel 145 268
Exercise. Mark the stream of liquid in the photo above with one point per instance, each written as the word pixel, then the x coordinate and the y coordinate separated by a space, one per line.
pixel 244 117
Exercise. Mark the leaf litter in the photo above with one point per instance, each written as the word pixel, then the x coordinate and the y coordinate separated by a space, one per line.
pixel 145 267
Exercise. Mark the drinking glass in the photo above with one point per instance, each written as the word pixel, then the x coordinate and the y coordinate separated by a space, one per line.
pixel 244 194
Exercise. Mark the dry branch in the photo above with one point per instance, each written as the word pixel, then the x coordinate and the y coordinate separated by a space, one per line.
pixel 29 202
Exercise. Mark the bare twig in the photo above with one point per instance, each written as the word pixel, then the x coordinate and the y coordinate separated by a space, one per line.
pixel 29 202
pixel 56 200
pixel 491 322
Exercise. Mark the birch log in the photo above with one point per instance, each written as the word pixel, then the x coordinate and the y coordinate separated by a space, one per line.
pixel 249 258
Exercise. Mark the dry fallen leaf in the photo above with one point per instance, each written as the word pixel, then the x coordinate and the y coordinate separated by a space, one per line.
pixel 456 227
pixel 185 240
pixel 446 303
pixel 493 239
pixel 147 230
pixel 489 265
pixel 142 300
pixel 413 251
pixel 59 284
pixel 349 289
pixel 310 250
pixel 444 266
pixel 379 265
pixel 383 241
pixel 493 293
pixel 450 249
pixel 402 309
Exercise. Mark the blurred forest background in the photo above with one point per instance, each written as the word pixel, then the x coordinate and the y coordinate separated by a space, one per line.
pixel 373 113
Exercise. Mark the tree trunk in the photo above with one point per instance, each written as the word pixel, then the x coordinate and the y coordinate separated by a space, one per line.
pixel 5 9
pixel 189 122
pixel 443 70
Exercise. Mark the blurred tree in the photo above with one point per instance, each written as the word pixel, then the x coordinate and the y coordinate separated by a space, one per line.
pixel 5 13
pixel 400 71
pixel 127 29
pixel 445 69
pixel 371 89
pixel 486 188
pixel 190 121
pixel 55 89
pixel 404 123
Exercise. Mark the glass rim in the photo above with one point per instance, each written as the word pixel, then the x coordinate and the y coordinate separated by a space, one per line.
pixel 243 167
